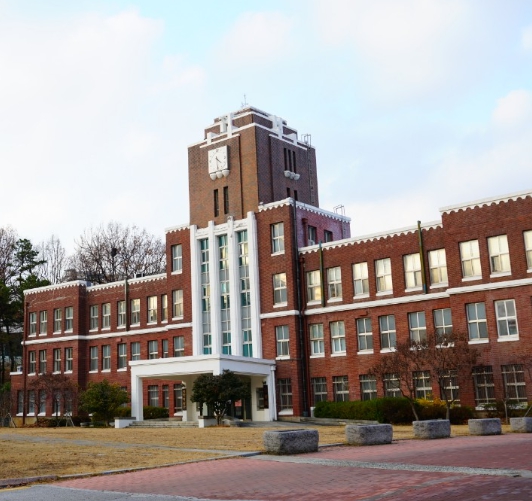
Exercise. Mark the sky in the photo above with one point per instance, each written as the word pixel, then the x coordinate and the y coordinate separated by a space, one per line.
pixel 412 105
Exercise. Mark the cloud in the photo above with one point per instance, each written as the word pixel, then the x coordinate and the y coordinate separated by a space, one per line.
pixel 514 109
pixel 526 38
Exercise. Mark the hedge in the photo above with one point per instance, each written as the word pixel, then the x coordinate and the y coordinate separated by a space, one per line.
pixel 148 411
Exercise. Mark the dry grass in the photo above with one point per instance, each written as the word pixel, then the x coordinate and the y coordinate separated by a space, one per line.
pixel 28 452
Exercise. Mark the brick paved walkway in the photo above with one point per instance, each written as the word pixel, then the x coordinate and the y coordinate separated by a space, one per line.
pixel 464 468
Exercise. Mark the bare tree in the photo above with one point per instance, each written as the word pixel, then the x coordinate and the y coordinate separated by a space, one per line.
pixel 53 255
pixel 63 390
pixel 114 252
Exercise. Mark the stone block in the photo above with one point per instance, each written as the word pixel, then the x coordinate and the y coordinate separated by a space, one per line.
pixel 487 426
pixel 521 424
pixel 368 434
pixel 432 428
pixel 290 441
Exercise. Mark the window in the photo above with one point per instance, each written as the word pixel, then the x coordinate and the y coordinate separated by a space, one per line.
pixel 179 346
pixel 93 325
pixel 418 330
pixel 58 320
pixel 42 402
pixel 360 279
pixel 69 359
pixel 365 336
pixel 514 383
pixel 499 254
pixel 42 361
pixel 93 358
pixel 152 309
pixel 484 385
pixel 69 319
pixel 135 350
pixel 443 324
pixel 476 321
pixel 177 258
pixel 122 356
pixel 341 388
pixel 470 256
pixel 279 289
pixel 528 248
pixel 226 199
pixel 422 384
pixel 337 337
pixel 164 344
pixel 225 303
pixel 177 304
pixel 319 389
pixel 43 322
pixel 312 235
pixel 216 202
pixel 412 264
pixel 334 283
pixel 106 357
pixel 368 387
pixel 506 318
pixel 20 402
pixel 392 385
pixel 438 267
pixel 387 332
pixel 153 395
pixel 153 350
pixel 277 231
pixel 317 344
pixel 166 396
pixel 449 387
pixel 106 316
pixel 178 397
pixel 285 393
pixel 121 313
pixel 327 236
pixel 383 272
pixel 33 323
pixel 260 398
pixel 164 308
pixel 135 311
pixel 57 359
pixel 283 341
pixel 313 286
pixel 32 362
pixel 205 297
pixel 31 402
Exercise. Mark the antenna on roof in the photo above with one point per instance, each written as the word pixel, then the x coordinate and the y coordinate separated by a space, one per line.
pixel 245 103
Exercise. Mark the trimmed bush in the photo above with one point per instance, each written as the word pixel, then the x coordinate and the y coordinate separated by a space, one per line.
pixel 123 412
pixel 154 412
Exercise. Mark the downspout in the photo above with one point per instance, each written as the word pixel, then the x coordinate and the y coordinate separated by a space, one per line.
pixel 24 363
pixel 322 282
pixel 422 257
pixel 302 357
pixel 126 298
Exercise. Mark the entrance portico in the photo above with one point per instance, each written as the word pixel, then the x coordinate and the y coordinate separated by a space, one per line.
pixel 186 369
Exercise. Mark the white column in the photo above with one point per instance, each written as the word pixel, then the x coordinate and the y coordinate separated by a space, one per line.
pixel 254 285
pixel 195 290
pixel 234 290
pixel 272 402
pixel 136 397
pixel 214 278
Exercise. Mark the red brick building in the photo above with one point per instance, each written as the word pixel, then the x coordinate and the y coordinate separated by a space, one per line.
pixel 265 283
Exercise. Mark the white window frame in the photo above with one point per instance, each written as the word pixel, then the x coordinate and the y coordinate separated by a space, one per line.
pixel 334 284
pixel 135 350
pixel 317 340
pixel 106 357
pixel 277 238
pixel 43 323
pixel 392 385
pixel 32 362
pixel 476 318
pixel 135 312
pixel 319 389
pixel 177 304
pixel 69 319
pixel 93 317
pixel 313 287
pixel 280 290
pixel 340 388
pixel 422 384
pixel 69 359
pixel 164 307
pixel 484 385
pixel 364 335
pixel 42 362
pixel 360 280
pixel 177 258
pixel 93 359
pixel 383 275
pixel 513 377
pixel 499 255
pixel 121 314
pixel 282 339
pixel 368 387
pixel 153 349
pixel 122 356
pixel 470 259
pixel 179 346
pixel 106 315
pixel 388 333
pixel 153 395
pixel 57 360
pixel 506 314
pixel 337 329
pixel 58 320
pixel 412 269
pixel 443 321
pixel 527 237
pixel 33 323
pixel 152 309
pixel 438 268
pixel 285 395
pixel 417 326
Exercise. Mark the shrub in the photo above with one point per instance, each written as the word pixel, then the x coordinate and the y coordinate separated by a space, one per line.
pixel 154 412
pixel 460 415
pixel 123 412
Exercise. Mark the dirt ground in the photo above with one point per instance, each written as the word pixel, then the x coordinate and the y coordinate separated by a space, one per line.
pixel 28 452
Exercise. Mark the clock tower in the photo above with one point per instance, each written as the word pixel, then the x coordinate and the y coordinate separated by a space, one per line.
pixel 246 158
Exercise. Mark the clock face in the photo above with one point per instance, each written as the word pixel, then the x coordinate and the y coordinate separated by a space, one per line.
pixel 218 162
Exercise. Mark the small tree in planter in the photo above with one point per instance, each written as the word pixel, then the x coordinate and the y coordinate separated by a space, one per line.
pixel 103 399
pixel 217 391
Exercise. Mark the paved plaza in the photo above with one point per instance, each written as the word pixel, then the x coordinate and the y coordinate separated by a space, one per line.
pixel 461 468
